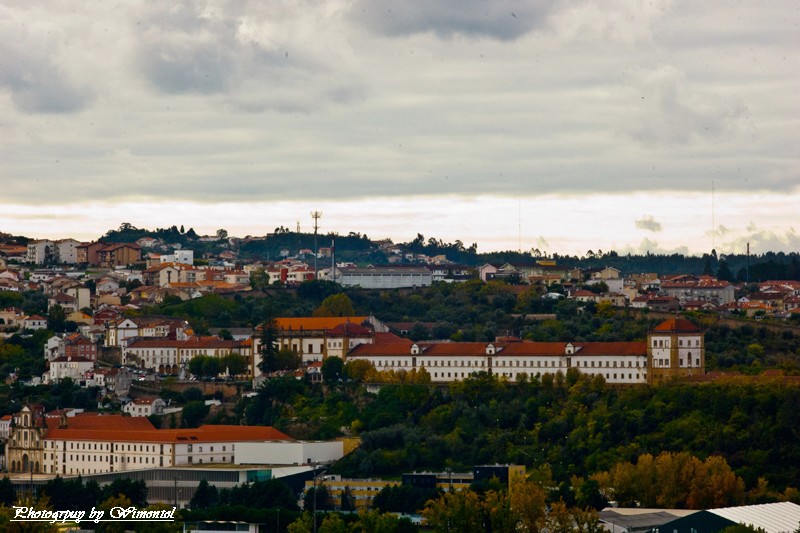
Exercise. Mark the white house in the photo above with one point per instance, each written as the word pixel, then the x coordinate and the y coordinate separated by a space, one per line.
pixel 74 368
pixel 145 407
pixel 34 322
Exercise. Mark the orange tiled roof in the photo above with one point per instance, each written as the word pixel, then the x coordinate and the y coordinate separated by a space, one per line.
pixel 677 325
pixel 193 342
pixel 350 329
pixel 174 436
pixel 612 348
pixel 513 349
pixel 387 338
pixel 317 323
pixel 110 423
pixel 388 348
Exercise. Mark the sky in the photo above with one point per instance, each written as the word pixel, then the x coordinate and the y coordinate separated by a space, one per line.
pixel 562 126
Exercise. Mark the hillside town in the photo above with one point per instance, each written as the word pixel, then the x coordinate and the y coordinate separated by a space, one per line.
pixel 150 373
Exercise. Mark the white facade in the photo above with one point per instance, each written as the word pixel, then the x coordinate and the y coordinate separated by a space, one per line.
pixel 145 407
pixel 288 453
pixel 385 277
pixel 69 367
pixel 34 322
pixel 41 252
pixel 66 251
pixel 617 363
pixel 185 257
pixel 690 350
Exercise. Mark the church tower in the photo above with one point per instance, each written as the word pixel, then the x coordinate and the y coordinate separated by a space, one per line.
pixel 675 349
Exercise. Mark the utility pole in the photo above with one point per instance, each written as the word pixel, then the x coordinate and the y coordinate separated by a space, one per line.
pixel 316 215
pixel 315 498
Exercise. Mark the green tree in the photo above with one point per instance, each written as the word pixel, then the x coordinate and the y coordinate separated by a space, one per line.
pixel 7 493
pixel 204 497
pixel 332 370
pixel 135 491
pixel 455 512
pixel 192 394
pixel 211 366
pixel 234 364
pixel 324 501
pixel 269 343
pixel 724 272
pixel 335 305
pixel 286 359
pixel 193 413
pixel 56 318
pixel 333 523
pixel 348 502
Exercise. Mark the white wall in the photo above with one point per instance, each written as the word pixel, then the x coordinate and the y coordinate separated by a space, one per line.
pixel 287 453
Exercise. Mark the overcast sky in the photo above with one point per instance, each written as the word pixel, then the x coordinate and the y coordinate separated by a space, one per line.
pixel 579 125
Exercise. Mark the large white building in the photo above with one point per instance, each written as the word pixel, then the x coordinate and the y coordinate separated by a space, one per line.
pixel 702 289
pixel 93 444
pixel 674 348
pixel 166 356
pixel 617 362
pixel 315 338
pixel 41 252
pixel 385 277
pixel 121 330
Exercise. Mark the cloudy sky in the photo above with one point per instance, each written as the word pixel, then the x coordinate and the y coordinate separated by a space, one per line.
pixel 564 126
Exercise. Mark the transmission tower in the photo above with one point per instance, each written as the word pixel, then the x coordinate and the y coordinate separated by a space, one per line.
pixel 316 215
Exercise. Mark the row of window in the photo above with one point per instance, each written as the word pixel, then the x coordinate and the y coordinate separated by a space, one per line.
pixel 611 364
pixel 518 364
pixel 609 376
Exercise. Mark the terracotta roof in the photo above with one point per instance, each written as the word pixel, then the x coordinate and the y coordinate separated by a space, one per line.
pixel 584 293
pixel 145 401
pixel 612 348
pixel 389 348
pixel 677 325
pixel 317 323
pixel 67 359
pixel 173 436
pixel 387 338
pixel 108 423
pixel 194 342
pixel 511 349
pixel 349 329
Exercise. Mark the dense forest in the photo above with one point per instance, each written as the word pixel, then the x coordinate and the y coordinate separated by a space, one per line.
pixel 568 423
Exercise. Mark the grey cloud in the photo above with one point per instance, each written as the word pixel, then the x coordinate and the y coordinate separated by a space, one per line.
pixel 32 74
pixel 245 57
pixel 184 51
pixel 646 245
pixel 503 20
pixel 648 223
pixel 672 112
pixel 763 240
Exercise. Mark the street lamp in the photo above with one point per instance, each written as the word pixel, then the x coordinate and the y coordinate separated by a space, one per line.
pixel 315 496
pixel 176 490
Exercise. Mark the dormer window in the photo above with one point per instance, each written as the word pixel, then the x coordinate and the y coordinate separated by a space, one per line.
pixel 414 349
pixel 569 349
pixel 490 350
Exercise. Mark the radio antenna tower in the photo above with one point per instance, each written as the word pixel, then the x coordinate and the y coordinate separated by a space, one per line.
pixel 713 220
pixel 316 215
